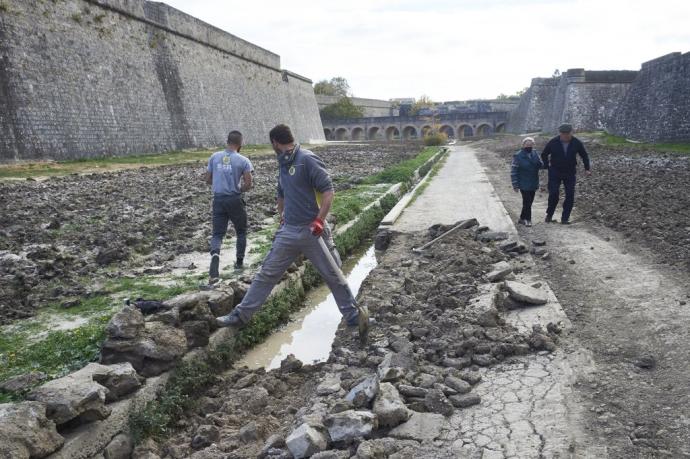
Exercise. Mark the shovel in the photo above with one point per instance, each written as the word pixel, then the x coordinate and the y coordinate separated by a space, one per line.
pixel 362 310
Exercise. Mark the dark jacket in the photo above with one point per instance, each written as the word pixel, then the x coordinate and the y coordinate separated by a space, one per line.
pixel 564 162
pixel 524 171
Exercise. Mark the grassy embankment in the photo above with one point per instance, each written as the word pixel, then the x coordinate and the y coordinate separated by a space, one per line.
pixel 34 169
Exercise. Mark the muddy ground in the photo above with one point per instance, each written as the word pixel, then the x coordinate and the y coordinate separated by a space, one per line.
pixel 429 345
pixel 639 192
pixel 621 273
pixel 61 236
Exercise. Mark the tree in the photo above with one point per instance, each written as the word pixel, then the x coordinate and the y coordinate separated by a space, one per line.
pixel 344 108
pixel 423 102
pixel 337 86
pixel 517 95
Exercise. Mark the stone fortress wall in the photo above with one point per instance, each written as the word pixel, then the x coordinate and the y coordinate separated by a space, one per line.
pixel 652 104
pixel 657 108
pixel 86 78
pixel 585 98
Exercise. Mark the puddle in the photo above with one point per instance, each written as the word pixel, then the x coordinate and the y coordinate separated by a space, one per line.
pixel 310 334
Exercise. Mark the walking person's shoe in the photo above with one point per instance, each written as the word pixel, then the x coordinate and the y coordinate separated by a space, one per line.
pixel 528 222
pixel 239 264
pixel 565 222
pixel 231 320
pixel 549 219
pixel 213 271
pixel 521 222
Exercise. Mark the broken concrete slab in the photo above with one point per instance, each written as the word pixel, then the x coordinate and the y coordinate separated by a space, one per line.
pixel 306 441
pixel 350 425
pixel 363 393
pixel 420 427
pixel 499 271
pixel 526 294
pixel 389 406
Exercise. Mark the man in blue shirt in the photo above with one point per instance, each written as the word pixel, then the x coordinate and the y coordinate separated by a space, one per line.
pixel 229 174
pixel 304 197
pixel 560 158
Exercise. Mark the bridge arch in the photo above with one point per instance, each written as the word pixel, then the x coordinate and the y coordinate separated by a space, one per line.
pixel 392 133
pixel 501 128
pixel 357 133
pixel 410 132
pixel 426 130
pixel 465 130
pixel 328 134
pixel 447 130
pixel 484 130
pixel 341 134
pixel 374 133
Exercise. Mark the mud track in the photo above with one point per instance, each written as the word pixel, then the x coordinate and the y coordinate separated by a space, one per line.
pixel 621 273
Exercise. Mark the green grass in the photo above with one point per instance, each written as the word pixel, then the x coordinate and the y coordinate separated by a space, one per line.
pixel 23 349
pixel 104 164
pixel 349 203
pixel 617 141
pixel 58 353
pixel 402 172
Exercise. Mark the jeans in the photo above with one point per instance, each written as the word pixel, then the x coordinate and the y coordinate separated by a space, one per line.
pixel 289 243
pixel 555 180
pixel 527 200
pixel 229 208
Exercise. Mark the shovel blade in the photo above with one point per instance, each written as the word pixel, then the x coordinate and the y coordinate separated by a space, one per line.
pixel 363 324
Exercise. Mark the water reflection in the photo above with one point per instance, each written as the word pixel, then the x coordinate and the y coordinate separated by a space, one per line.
pixel 310 335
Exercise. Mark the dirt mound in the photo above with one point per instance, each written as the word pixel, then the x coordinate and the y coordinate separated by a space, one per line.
pixel 435 327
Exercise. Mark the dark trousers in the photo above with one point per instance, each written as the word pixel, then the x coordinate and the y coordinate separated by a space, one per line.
pixel 229 209
pixel 555 180
pixel 527 200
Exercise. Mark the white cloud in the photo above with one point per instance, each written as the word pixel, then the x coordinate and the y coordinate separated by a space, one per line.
pixel 451 49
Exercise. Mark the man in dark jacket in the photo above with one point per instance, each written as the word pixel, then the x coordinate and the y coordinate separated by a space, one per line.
pixel 560 158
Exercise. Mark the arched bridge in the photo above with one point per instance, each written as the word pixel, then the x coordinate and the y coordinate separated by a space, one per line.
pixel 454 125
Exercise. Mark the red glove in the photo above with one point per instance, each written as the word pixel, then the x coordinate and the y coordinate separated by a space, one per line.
pixel 316 227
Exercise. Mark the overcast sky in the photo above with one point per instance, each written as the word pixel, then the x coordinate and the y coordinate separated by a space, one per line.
pixel 451 49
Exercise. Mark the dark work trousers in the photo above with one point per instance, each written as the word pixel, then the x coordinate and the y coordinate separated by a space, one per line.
pixel 229 208
pixel 527 200
pixel 555 180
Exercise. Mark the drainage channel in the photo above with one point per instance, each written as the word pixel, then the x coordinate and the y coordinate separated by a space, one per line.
pixel 310 334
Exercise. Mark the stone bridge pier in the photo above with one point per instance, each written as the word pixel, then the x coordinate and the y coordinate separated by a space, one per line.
pixel 390 128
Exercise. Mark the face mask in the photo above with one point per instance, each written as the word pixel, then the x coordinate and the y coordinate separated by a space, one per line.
pixel 285 157
pixel 528 149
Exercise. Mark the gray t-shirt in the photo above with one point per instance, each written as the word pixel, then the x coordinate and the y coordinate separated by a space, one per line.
pixel 227 168
pixel 300 183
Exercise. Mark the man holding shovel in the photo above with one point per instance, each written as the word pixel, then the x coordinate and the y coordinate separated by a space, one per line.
pixel 305 194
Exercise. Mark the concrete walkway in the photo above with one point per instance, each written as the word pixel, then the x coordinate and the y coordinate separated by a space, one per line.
pixel 528 408
pixel 459 191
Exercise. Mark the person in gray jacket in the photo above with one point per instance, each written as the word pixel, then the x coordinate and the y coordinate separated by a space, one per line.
pixel 524 174
pixel 304 197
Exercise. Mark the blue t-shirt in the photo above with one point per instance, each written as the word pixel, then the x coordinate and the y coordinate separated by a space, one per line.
pixel 227 168
pixel 301 183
